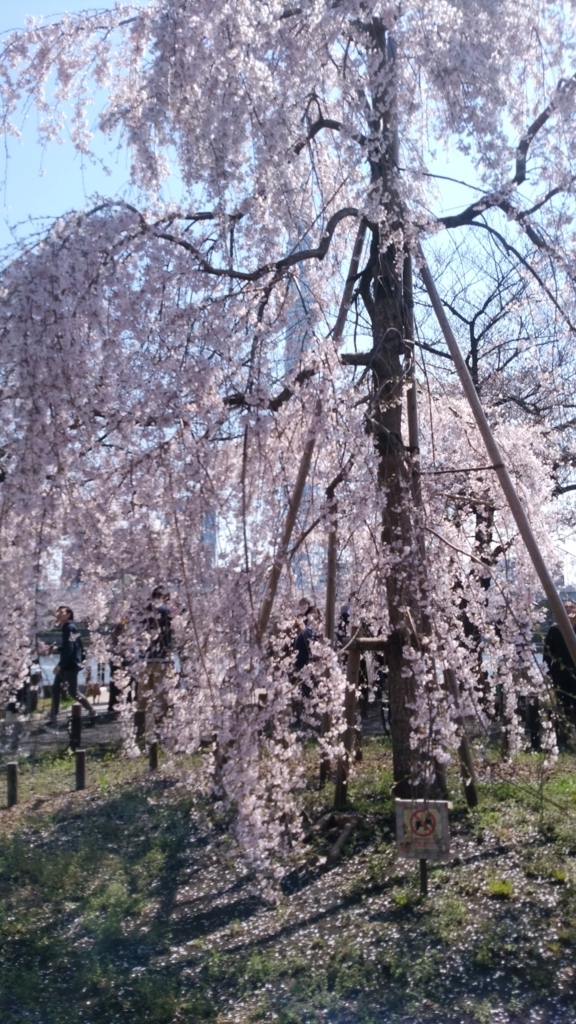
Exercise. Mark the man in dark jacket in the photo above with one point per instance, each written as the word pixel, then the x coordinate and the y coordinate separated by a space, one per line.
pixel 70 663
pixel 158 629
pixel 306 635
pixel 561 666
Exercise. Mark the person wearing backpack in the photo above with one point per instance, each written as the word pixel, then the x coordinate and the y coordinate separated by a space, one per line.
pixel 70 663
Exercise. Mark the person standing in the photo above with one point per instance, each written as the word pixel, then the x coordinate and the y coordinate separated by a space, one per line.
pixel 158 656
pixel 561 666
pixel 307 633
pixel 119 663
pixel 70 663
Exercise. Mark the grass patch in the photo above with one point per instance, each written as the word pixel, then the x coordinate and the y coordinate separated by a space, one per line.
pixel 128 903
pixel 500 888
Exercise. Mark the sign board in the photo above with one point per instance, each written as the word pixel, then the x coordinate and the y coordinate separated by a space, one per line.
pixel 422 831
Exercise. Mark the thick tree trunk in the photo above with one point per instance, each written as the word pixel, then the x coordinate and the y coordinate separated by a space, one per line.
pixel 389 308
pixel 382 288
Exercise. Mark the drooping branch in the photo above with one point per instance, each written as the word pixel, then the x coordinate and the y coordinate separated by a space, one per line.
pixel 239 400
pixel 317 126
pixel 524 144
pixel 325 122
pixel 498 199
pixel 280 265
pixel 512 249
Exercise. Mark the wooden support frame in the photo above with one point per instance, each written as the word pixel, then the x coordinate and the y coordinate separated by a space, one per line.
pixel 498 463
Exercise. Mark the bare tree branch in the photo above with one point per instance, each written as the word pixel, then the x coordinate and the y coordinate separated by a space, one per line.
pixel 288 261
pixel 239 400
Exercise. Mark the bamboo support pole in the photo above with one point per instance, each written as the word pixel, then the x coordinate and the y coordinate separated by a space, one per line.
pixel 495 457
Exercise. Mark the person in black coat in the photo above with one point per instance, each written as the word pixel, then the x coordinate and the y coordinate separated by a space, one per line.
pixel 70 663
pixel 561 666
pixel 302 641
pixel 158 656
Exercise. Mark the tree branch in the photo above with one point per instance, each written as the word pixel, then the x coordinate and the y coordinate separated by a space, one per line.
pixel 510 248
pixel 239 400
pixel 322 122
pixel 564 86
pixel 498 198
pixel 288 261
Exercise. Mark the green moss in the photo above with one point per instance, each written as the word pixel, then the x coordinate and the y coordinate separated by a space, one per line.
pixel 500 888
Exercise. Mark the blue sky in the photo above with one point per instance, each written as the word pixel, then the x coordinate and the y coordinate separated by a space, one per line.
pixel 47 183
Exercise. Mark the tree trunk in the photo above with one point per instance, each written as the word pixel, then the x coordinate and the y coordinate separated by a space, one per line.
pixel 382 289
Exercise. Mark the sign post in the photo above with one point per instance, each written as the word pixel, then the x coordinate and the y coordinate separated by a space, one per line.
pixel 422 833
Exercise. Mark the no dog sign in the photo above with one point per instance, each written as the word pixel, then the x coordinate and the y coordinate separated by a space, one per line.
pixel 422 831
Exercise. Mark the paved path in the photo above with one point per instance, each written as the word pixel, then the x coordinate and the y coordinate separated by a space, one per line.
pixel 33 736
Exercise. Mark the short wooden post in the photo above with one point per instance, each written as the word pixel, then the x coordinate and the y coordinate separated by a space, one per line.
pixel 76 727
pixel 80 769
pixel 12 773
pixel 153 756
pixel 140 723
pixel 32 694
pixel 352 671
pixel 464 752
pixel 325 726
pixel 423 877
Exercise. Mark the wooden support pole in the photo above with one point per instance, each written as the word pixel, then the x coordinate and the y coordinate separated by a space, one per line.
pixel 497 461
pixel 12 776
pixel 370 643
pixel 280 557
pixel 423 877
pixel 139 723
pixel 80 756
pixel 76 726
pixel 325 726
pixel 153 756
pixel 342 770
pixel 350 282
pixel 331 570
pixel 464 752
